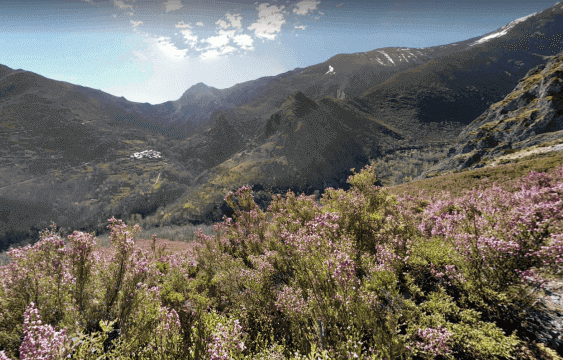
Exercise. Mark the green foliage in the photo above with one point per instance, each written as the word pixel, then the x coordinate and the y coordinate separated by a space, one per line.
pixel 359 277
pixel 162 267
pixel 91 347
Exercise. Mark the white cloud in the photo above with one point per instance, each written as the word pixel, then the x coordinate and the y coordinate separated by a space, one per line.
pixel 136 23
pixel 339 5
pixel 189 38
pixel 181 25
pixel 213 54
pixel 199 23
pixel 302 27
pixel 169 49
pixel 321 13
pixel 130 13
pixel 269 21
pixel 222 24
pixel 306 6
pixel 114 15
pixel 172 5
pixel 120 4
pixel 244 41
pixel 220 44
pixel 139 55
pixel 235 20
pixel 220 40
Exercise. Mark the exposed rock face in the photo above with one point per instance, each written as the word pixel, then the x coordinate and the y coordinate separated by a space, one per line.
pixel 530 115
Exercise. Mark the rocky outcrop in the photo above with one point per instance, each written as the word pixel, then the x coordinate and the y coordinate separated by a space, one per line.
pixel 287 118
pixel 530 115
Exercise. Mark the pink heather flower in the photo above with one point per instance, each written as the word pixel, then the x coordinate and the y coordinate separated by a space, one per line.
pixel 225 341
pixel 290 301
pixel 434 341
pixel 168 319
pixel 502 225
pixel 449 273
pixel 3 356
pixel 41 341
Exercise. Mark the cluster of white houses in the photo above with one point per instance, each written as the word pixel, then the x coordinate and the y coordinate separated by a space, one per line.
pixel 151 154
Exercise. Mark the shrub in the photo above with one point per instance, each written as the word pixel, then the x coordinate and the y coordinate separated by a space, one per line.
pixel 368 275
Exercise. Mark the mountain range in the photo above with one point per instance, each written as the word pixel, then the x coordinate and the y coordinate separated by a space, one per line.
pixel 66 148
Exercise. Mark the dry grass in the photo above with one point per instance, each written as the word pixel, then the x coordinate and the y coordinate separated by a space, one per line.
pixel 171 233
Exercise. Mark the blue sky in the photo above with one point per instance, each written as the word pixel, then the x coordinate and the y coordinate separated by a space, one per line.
pixel 153 51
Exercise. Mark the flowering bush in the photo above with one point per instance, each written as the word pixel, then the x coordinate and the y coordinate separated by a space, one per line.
pixel 367 276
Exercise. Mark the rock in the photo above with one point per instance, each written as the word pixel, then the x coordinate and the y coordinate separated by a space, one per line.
pixel 526 116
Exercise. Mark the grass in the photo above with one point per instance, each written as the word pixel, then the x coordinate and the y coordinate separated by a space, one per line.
pixel 456 183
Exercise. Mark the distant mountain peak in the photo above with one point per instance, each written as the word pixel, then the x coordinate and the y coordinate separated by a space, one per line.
pixel 197 91
pixel 197 88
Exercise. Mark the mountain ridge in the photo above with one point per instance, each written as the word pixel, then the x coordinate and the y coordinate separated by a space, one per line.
pixel 299 130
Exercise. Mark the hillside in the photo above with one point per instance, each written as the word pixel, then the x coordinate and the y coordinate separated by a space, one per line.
pixel 530 116
pixel 66 149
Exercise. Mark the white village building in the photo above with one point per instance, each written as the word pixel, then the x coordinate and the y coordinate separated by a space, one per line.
pixel 151 154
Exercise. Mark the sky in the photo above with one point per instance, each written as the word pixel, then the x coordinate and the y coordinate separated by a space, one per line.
pixel 154 50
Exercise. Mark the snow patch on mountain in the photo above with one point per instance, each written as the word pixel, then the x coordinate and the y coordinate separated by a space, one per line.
pixel 387 56
pixel 503 31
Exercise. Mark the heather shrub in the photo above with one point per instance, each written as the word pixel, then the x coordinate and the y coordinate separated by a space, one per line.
pixel 368 276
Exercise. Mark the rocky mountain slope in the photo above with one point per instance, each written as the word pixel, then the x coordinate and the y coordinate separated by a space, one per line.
pixel 457 88
pixel 304 145
pixel 66 148
pixel 531 115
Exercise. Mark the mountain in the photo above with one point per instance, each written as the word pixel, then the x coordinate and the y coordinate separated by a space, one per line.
pixel 530 116
pixel 303 145
pixel 458 87
pixel 66 154
pixel 197 104
pixel 351 75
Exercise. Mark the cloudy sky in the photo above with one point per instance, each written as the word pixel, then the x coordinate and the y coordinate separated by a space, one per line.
pixel 154 50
